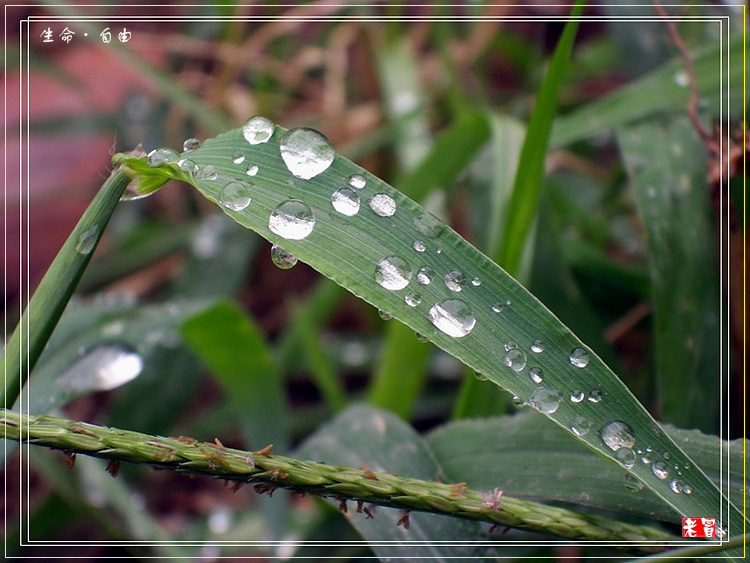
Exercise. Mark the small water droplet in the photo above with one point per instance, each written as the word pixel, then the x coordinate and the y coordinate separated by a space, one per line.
pixel 187 165
pixel 576 396
pixel 238 157
pixel 632 484
pixel 497 308
pixel 510 345
pixel 580 426
pixel 536 375
pixel 257 130
pixel 579 358
pixel 676 485
pixel 385 315
pixel 345 201
pixel 421 337
pixel 412 299
pixel 515 359
pixel 292 219
pixel 425 275
pixel 616 434
pixel 357 181
pixel 208 173
pixel 546 400
pixel 306 152
pixel 537 346
pixel 282 258
pixel 659 469
pixel 476 282
pixel 480 376
pixel 647 457
pixel 667 456
pixel 393 273
pixel 235 196
pixel 429 225
pixel 453 317
pixel 419 246
pixel 190 145
pixel 595 396
pixel 87 240
pixel 681 78
pixel 102 368
pixel 383 205
pixel 454 280
pixel 625 456
pixel 157 157
pixel 252 170
pixel 687 489
pixel 518 402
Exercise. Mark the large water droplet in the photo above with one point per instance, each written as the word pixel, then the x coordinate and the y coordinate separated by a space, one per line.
pixel 660 469
pixel 515 359
pixel 252 170
pixel 357 181
pixel 282 258
pixel 429 225
pixel 207 172
pixel 157 157
pixel 537 346
pixel 393 273
pixel 419 246
pixel 425 275
pixel 345 201
pixel 580 426
pixel 536 375
pixel 257 130
pixel 103 368
pixel 87 240
pixel 616 434
pixel 579 358
pixel 190 145
pixel 412 299
pixel 383 205
pixel 293 220
pixel 454 280
pixel 453 317
pixel 625 456
pixel 306 152
pixel 632 484
pixel 546 400
pixel 235 196
pixel 187 165
pixel 576 396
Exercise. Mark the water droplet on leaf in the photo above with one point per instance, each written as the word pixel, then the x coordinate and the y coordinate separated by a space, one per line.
pixel 576 396
pixel 660 469
pixel 385 315
pixel 306 152
pixel 238 157
pixel 676 485
pixel 383 205
pixel 453 317
pixel 595 396
pixel 208 173
pixel 518 402
pixel 157 157
pixel 257 130
pixel 412 299
pixel 625 456
pixel 476 282
pixel 393 273
pixel 536 375
pixel 515 359
pixel 357 181
pixel 292 219
pixel 235 196
pixel 429 225
pixel 537 346
pixel 190 145
pixel 454 280
pixel 497 308
pixel 580 426
pixel 425 275
pixel 187 165
pixel 282 258
pixel 616 434
pixel 632 484
pixel 545 400
pixel 419 246
pixel 252 170
pixel 579 358
pixel 87 240
pixel 345 201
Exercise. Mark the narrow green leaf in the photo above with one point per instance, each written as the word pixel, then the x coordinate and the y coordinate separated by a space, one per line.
pixel 51 296
pixel 530 172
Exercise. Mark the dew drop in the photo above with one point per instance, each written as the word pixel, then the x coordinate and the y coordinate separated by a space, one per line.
pixel 659 469
pixel 345 201
pixel 357 181
pixel 536 375
pixel 383 205
pixel 429 225
pixel 385 315
pixel 515 359
pixel 667 456
pixel 681 78
pixel 419 246
pixel 676 485
pixel 393 273
pixel 497 308
pixel 412 299
pixel 157 157
pixel 238 157
pixel 476 282
pixel 453 317
pixel 579 358
pixel 518 402
pixel 537 346
pixel 292 219
pixel 187 165
pixel 103 368
pixel 235 196
pixel 687 489
pixel 546 400
pixel 257 130
pixel 421 337
pixel 616 434
pixel 208 172
pixel 252 170
pixel 282 258
pixel 190 145
pixel 306 152
pixel 576 396
pixel 595 396
pixel 580 426
pixel 510 345
pixel 425 275
pixel 87 241
pixel 454 280
pixel 480 376
pixel 632 484
pixel 625 456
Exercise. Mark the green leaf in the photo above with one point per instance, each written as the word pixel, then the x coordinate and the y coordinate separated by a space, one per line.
pixel 374 257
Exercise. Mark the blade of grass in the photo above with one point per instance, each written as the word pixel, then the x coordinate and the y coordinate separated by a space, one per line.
pixel 43 312
pixel 373 257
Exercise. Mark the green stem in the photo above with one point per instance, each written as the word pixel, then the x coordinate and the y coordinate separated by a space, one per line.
pixel 267 471
pixel 54 291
